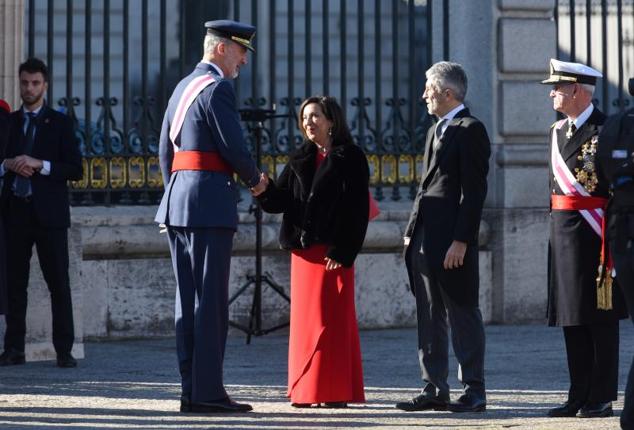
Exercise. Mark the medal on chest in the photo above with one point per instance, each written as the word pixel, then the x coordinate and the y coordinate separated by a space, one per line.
pixel 586 175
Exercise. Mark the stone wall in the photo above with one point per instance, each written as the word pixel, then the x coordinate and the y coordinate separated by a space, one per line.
pixel 129 286
pixel 11 43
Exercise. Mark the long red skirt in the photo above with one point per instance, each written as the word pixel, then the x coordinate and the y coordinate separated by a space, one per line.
pixel 324 354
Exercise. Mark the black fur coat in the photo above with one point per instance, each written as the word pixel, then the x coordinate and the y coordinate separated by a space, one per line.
pixel 328 206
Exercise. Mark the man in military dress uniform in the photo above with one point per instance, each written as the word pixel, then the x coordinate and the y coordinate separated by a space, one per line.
pixel 616 159
pixel 577 301
pixel 201 146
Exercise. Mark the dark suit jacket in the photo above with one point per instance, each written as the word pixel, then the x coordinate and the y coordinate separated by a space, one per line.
pixel 54 141
pixel 448 204
pixel 201 198
pixel 328 206
pixel 574 246
pixel 4 138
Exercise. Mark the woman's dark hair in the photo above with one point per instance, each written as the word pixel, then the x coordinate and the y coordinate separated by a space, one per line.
pixel 333 112
pixel 34 65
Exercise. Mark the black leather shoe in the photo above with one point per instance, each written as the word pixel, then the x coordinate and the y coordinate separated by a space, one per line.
pixel 12 357
pixel 336 405
pixel 222 406
pixel 66 361
pixel 301 405
pixel 568 409
pixel 596 410
pixel 424 402
pixel 468 403
pixel 185 404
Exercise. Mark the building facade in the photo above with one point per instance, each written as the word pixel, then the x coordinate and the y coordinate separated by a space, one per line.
pixel 372 57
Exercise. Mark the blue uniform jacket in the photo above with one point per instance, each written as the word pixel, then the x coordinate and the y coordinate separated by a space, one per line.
pixel 203 199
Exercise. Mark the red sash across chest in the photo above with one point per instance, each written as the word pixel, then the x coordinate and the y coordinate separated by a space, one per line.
pixel 194 160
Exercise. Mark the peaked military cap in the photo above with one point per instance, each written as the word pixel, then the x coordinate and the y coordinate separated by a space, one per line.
pixel 232 30
pixel 570 73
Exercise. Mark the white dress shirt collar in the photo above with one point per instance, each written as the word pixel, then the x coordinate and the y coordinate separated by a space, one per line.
pixel 36 111
pixel 448 117
pixel 581 119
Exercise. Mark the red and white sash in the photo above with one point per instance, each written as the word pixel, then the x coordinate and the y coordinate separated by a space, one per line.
pixel 569 184
pixel 192 90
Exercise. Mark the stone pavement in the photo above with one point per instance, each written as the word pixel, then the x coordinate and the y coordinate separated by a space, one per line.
pixel 133 384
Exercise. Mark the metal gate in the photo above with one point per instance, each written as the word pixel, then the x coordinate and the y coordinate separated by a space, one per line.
pixel 114 63
pixel 600 33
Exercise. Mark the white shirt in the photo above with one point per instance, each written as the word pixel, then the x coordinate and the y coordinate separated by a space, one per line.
pixel 581 119
pixel 215 66
pixel 449 116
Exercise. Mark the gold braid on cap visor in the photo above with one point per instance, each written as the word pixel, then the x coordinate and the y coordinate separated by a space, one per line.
pixel 241 40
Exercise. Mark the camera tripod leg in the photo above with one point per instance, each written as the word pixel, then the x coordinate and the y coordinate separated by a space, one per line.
pixel 242 289
pixel 275 286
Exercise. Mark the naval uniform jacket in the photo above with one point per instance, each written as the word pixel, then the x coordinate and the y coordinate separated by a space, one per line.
pixel 574 249
pixel 325 206
pixel 449 201
pixel 197 198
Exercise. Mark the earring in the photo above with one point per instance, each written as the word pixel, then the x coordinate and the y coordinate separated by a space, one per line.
pixel 330 132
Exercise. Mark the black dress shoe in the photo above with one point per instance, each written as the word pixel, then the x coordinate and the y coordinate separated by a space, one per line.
pixel 468 403
pixel 66 361
pixel 596 410
pixel 336 405
pixel 221 406
pixel 185 404
pixel 425 401
pixel 11 357
pixel 301 405
pixel 568 409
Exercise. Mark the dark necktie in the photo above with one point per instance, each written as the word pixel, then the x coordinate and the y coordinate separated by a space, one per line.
pixel 22 184
pixel 571 130
pixel 438 132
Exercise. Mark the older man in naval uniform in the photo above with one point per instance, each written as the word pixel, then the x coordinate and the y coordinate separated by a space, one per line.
pixel 201 147
pixel 587 308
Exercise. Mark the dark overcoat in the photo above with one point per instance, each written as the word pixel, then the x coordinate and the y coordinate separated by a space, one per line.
pixel 575 248
pixel 325 206
pixel 449 201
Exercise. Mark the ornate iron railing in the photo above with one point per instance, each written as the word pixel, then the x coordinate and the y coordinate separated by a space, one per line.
pixel 114 81
pixel 587 31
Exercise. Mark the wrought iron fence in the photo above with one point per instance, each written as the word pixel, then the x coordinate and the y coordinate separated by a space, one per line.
pixel 114 63
pixel 599 33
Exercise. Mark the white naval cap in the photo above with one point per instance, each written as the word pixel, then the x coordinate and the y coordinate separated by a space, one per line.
pixel 564 72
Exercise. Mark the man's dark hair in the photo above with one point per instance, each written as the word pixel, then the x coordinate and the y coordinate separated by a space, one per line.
pixel 34 65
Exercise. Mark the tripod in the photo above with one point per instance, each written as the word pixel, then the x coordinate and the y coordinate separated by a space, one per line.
pixel 255 117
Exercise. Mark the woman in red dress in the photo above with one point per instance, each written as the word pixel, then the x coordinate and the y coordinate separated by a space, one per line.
pixel 323 194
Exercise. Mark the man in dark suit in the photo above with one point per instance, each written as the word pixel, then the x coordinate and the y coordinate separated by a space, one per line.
pixel 4 138
pixel 587 310
pixel 42 155
pixel 200 147
pixel 441 242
